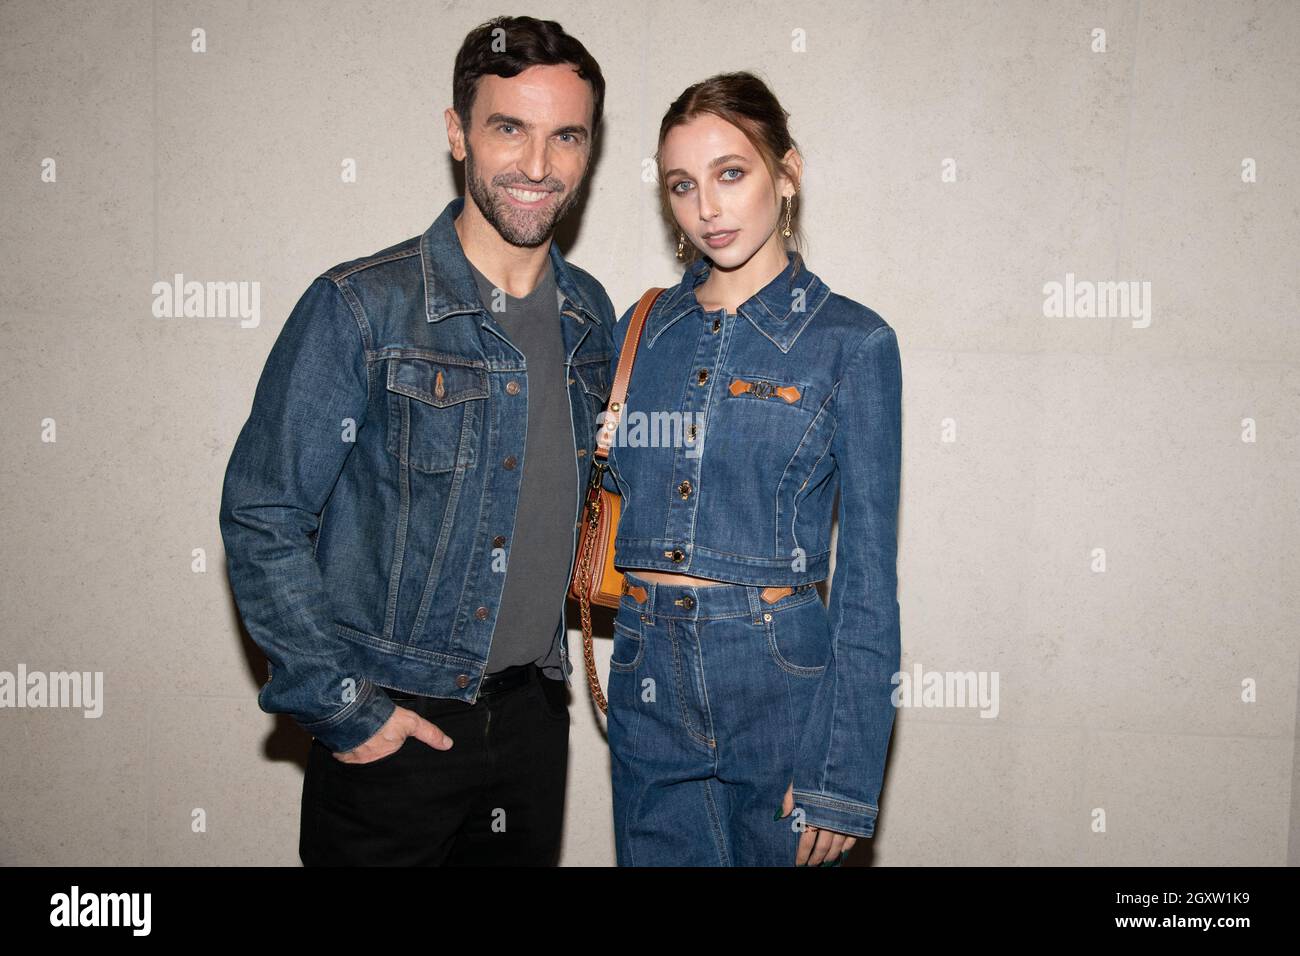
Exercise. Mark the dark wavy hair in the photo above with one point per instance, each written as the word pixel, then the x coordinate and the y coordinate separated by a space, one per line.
pixel 746 102
pixel 522 42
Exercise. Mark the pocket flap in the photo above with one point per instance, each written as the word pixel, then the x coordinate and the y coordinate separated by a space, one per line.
pixel 594 377
pixel 436 383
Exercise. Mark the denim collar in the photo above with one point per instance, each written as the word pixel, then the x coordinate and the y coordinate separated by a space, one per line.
pixel 450 287
pixel 777 310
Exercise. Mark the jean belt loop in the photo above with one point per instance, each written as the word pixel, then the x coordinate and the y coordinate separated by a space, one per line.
pixel 752 592
pixel 648 608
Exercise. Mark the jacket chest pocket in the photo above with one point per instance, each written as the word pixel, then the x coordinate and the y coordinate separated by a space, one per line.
pixel 435 412
pixel 757 421
pixel 594 379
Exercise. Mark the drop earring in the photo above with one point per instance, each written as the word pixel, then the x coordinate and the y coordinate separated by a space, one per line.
pixel 681 245
pixel 789 209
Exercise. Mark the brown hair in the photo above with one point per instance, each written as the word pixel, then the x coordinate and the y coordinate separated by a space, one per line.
pixel 526 42
pixel 746 102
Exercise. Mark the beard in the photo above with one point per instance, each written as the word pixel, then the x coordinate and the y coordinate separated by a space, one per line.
pixel 519 227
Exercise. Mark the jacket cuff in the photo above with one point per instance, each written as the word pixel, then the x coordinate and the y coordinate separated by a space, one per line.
pixel 836 813
pixel 357 722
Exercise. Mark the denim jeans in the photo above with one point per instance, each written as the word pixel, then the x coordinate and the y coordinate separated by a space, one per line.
pixel 495 798
pixel 709 692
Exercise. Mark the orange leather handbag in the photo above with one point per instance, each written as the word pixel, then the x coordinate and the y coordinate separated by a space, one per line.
pixel 594 579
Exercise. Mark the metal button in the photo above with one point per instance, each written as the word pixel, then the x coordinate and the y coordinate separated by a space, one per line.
pixel 684 489
pixel 510 462
pixel 581 452
pixel 717 324
pixel 512 387
pixel 481 613
pixel 703 376
pixel 462 680
pixel 499 541
pixel 677 554
pixel 692 431
pixel 686 601
pixel 767 615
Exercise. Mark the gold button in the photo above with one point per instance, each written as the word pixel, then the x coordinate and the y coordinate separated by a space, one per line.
pixel 676 554
pixel 703 376
pixel 481 613
pixel 499 541
pixel 510 462
pixel 512 387
pixel 684 489
pixel 462 680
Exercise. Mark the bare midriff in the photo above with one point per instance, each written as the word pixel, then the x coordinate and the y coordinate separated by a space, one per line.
pixel 663 577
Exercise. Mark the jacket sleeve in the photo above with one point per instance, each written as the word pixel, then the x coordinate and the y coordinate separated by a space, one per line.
pixel 840 764
pixel 282 470
pixel 620 329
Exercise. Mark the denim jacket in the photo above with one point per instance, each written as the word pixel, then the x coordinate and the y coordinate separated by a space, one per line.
pixel 795 396
pixel 374 485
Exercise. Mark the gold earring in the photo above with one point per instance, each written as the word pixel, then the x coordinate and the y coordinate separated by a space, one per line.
pixel 789 208
pixel 681 245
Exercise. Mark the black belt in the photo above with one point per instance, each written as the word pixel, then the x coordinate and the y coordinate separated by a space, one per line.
pixel 510 677
pixel 505 679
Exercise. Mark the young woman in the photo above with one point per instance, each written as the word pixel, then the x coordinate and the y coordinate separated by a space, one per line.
pixel 748 722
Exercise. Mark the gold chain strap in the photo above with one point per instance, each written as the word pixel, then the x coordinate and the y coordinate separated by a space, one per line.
pixel 584 599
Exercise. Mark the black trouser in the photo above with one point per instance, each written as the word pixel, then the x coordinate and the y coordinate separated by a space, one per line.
pixel 496 797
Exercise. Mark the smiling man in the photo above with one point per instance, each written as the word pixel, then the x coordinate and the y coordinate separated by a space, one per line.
pixel 400 509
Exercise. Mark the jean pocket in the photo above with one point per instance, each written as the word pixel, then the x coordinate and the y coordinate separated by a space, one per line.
pixel 629 647
pixel 799 638
pixel 435 411
pixel 554 696
pixel 385 760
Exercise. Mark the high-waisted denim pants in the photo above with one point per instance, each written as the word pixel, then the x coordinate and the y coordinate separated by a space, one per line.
pixel 709 688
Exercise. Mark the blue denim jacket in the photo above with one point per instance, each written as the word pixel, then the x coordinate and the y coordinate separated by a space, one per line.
pixel 377 474
pixel 795 396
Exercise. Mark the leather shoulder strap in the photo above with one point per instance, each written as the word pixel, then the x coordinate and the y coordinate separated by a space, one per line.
pixel 623 374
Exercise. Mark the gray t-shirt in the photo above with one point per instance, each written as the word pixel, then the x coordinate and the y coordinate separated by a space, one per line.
pixel 539 554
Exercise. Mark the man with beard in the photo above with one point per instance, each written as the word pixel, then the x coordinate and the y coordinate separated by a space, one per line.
pixel 380 489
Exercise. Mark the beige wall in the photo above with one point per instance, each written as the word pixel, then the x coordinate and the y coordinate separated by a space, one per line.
pixel 1029 441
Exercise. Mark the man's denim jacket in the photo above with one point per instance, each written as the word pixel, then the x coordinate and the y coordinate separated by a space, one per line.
pixel 374 486
pixel 794 397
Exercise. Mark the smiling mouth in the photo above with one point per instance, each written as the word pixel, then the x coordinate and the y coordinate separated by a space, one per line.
pixel 527 195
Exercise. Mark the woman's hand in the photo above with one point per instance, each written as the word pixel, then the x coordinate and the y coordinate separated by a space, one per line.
pixel 817 846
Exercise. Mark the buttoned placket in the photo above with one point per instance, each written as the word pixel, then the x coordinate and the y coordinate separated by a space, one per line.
pixel 684 490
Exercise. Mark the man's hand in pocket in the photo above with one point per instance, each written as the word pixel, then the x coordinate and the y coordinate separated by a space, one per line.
pixel 390 737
